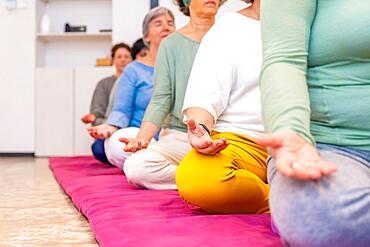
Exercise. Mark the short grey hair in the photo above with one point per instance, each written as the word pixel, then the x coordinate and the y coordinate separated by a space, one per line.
pixel 152 14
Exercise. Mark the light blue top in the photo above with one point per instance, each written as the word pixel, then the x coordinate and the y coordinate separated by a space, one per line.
pixel 134 90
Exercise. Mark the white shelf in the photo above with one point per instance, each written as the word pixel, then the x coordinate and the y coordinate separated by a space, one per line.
pixel 74 36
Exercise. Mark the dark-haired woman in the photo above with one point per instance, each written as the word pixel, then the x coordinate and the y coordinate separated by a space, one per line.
pixel 121 56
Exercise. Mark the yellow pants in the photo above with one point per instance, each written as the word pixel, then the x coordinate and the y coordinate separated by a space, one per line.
pixel 233 181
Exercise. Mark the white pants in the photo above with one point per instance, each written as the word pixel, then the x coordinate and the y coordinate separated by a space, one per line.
pixel 114 148
pixel 155 167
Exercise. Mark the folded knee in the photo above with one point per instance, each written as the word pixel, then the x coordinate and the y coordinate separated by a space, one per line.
pixel 205 192
pixel 308 217
pixel 322 232
pixel 191 183
pixel 135 170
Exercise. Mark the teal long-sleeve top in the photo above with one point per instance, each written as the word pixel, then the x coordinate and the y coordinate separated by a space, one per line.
pixel 172 70
pixel 316 72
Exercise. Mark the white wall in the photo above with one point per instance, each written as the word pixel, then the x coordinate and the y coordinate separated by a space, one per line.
pixel 86 80
pixel 17 49
pixel 127 19
pixel 17 79
pixel 128 16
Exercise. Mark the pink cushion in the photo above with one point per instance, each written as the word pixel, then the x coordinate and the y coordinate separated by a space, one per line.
pixel 123 216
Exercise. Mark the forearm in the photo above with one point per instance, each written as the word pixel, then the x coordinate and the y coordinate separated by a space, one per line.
pixel 200 115
pixel 99 103
pixel 119 119
pixel 286 27
pixel 99 121
pixel 147 131
pixel 285 101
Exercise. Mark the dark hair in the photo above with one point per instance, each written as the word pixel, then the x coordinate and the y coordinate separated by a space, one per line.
pixel 185 9
pixel 118 46
pixel 137 47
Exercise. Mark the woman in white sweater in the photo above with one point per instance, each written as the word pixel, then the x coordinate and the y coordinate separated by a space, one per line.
pixel 226 170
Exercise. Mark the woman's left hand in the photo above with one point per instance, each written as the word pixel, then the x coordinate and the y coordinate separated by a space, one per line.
pixel 134 144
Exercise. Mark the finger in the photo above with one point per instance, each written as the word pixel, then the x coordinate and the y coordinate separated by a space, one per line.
pixel 212 149
pixel 224 146
pixel 192 126
pixel 102 133
pixel 269 140
pixel 221 146
pixel 99 136
pixel 142 144
pixel 327 168
pixel 134 148
pixel 195 129
pixel 96 132
pixel 139 145
pixel 217 147
pixel 106 133
pixel 145 144
pixel 201 144
pixel 224 142
pixel 284 166
pixel 306 171
pixel 128 148
pixel 128 145
pixel 124 140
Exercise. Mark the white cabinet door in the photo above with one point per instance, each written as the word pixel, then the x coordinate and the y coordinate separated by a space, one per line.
pixel 85 83
pixel 17 81
pixel 54 112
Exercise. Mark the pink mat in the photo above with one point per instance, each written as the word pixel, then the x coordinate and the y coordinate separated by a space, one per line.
pixel 123 216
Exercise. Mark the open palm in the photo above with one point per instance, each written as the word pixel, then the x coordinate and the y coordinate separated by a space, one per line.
pixel 200 140
pixel 102 131
pixel 133 144
pixel 295 157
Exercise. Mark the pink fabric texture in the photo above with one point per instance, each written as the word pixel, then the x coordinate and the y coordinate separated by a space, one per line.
pixel 121 215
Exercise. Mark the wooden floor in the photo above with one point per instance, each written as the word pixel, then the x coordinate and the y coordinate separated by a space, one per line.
pixel 34 211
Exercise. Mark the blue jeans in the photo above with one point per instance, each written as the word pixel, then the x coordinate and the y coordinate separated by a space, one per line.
pixel 98 151
pixel 331 211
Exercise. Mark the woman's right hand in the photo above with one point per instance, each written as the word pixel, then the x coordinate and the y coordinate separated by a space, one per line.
pixel 88 118
pixel 295 157
pixel 102 131
pixel 200 140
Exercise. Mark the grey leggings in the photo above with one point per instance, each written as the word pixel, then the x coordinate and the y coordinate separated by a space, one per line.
pixel 333 211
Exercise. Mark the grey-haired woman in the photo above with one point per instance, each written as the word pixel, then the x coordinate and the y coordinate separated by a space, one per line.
pixel 154 166
pixel 135 88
